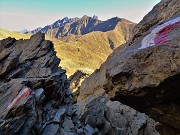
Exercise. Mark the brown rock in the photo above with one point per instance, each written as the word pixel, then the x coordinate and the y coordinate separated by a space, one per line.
pixel 145 79
pixel 75 28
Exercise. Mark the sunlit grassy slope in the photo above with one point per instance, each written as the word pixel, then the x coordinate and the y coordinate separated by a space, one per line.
pixel 5 33
pixel 88 53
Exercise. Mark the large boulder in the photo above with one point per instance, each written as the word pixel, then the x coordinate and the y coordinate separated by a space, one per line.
pixel 145 72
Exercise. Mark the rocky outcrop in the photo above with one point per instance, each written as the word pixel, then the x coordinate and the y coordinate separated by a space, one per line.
pixel 113 118
pixel 31 83
pixel 75 82
pixel 76 79
pixel 35 98
pixel 144 73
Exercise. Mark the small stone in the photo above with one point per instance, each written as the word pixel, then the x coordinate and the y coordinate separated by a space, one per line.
pixel 63 132
pixel 78 124
pixel 75 118
pixel 88 130
pixel 71 110
pixel 80 131
pixel 39 95
pixel 107 127
pixel 119 131
pixel 59 115
pixel 68 99
pixel 68 92
pixel 68 125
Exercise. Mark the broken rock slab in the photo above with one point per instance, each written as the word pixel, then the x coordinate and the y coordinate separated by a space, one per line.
pixel 114 118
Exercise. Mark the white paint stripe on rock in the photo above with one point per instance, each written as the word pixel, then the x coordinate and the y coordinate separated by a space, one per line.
pixel 149 39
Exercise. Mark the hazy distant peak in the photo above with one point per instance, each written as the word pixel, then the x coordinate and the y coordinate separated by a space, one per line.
pixel 65 18
pixel 85 16
pixel 24 31
pixel 95 17
pixel 114 19
pixel 60 23
pixel 38 28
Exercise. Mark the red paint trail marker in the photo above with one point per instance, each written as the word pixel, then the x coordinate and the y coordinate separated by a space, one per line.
pixel 23 94
pixel 162 36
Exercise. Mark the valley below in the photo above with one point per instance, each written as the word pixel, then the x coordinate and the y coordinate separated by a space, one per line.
pixel 88 51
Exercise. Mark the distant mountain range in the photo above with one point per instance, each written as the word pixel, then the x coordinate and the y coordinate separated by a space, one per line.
pixel 71 29
pixel 82 43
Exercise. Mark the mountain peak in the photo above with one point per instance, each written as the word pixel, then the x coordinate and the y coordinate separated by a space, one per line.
pixel 115 18
pixel 85 17
pixel 95 17
pixel 72 28
pixel 65 18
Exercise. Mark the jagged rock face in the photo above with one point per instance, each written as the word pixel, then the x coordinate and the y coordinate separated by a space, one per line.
pixel 145 72
pixel 35 99
pixel 113 118
pixel 30 83
pixel 76 79
pixel 163 11
pixel 75 82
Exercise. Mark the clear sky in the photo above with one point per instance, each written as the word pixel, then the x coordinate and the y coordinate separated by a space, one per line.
pixel 29 14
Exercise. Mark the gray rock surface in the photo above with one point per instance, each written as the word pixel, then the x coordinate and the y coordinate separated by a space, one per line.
pixel 146 79
pixel 76 79
pixel 113 118
pixel 29 66
pixel 75 82
pixel 35 98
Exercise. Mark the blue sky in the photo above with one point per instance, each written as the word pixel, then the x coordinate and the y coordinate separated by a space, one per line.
pixel 30 14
